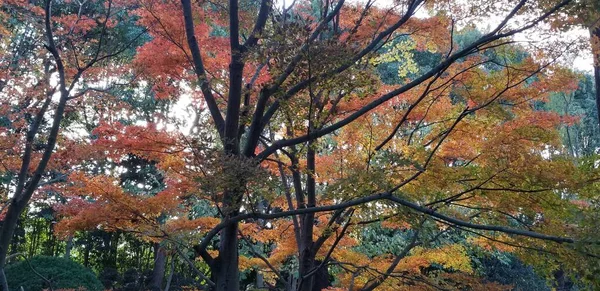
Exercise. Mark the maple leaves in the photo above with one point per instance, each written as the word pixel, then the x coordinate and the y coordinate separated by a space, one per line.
pixel 45 68
pixel 303 122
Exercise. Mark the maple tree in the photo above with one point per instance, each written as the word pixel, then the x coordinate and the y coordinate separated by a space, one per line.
pixel 314 124
pixel 47 60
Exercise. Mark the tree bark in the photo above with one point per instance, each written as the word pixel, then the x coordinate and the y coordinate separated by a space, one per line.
pixel 170 279
pixel 158 272
pixel 307 253
pixel 68 247
pixel 227 278
pixel 3 280
pixel 6 233
pixel 86 252
pixel 595 44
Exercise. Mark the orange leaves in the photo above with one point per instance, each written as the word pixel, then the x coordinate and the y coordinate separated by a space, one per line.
pixel 431 34
pixel 149 215
pixel 166 59
pixel 419 270
pixel 146 141
pixel 388 223
pixel 487 155
pixel 284 250
pixel 99 201
pixel 75 24
pixel 246 263
pixel 171 162
pixel 501 243
pixel 366 27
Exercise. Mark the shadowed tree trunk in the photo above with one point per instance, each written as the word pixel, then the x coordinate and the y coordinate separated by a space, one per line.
pixel 171 272
pixel 158 272
pixel 307 252
pixel 68 247
pixel 561 281
pixel 595 43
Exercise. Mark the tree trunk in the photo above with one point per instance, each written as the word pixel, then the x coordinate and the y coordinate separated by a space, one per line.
pixel 260 281
pixel 307 254
pixel 227 277
pixel 86 252
pixel 170 279
pixel 68 247
pixel 158 272
pixel 225 267
pixel 561 281
pixel 4 285
pixel 6 233
pixel 595 43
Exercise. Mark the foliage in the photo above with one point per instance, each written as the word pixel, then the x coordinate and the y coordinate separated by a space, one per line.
pixel 506 269
pixel 321 145
pixel 58 273
pixel 582 138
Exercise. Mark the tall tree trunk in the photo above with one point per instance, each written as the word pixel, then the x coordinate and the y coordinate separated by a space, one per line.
pixel 8 228
pixel 158 272
pixel 307 254
pixel 87 249
pixel 171 272
pixel 114 248
pixel 562 281
pixel 50 243
pixel 595 43
pixel 228 272
pixel 227 278
pixel 68 247
pixel 3 280
pixel 260 281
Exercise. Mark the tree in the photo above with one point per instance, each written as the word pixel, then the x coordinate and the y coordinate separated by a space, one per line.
pixel 50 57
pixel 294 130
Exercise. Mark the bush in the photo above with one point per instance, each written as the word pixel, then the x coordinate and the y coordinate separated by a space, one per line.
pixel 62 273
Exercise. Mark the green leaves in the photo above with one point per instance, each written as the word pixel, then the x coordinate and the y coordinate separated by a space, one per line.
pixel 57 273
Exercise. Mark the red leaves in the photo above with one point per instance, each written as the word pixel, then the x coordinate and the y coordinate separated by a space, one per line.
pixel 147 141
pixel 99 201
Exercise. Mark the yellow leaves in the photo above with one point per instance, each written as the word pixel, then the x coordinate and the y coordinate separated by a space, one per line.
pixel 212 253
pixel 348 255
pixel 452 257
pixel 420 270
pixel 401 52
pixel 172 162
pixel 496 244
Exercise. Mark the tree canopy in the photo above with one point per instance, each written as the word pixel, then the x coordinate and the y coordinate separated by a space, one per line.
pixel 301 146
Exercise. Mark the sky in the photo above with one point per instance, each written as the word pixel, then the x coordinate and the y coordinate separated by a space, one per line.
pixel 581 62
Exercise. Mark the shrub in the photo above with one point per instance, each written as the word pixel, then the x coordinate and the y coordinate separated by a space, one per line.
pixel 62 274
